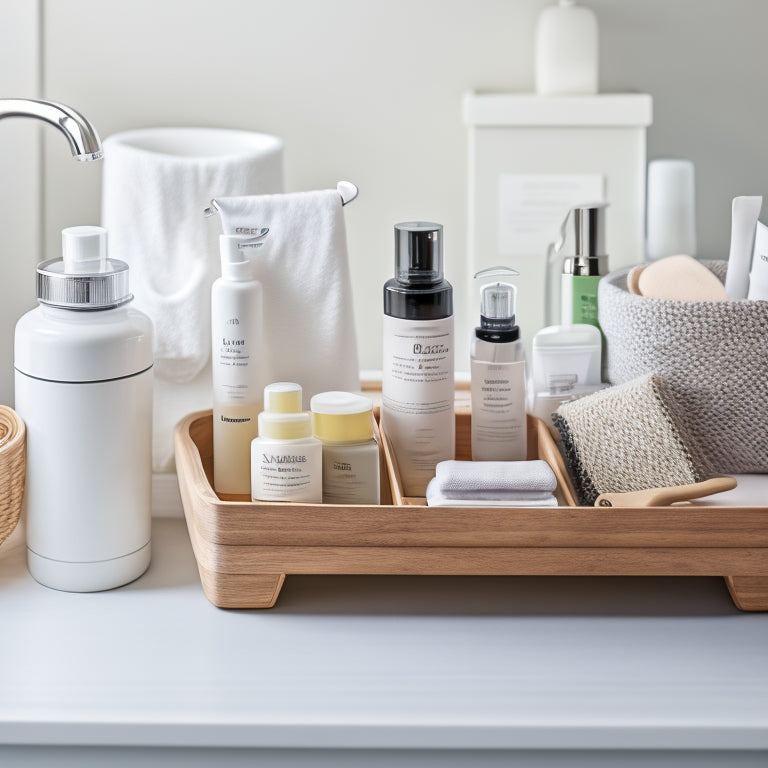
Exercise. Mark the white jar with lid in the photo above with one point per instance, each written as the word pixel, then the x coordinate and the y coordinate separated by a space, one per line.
pixel 83 361
pixel 343 422
pixel 286 461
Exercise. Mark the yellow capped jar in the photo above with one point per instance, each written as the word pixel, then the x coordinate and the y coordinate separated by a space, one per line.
pixel 343 423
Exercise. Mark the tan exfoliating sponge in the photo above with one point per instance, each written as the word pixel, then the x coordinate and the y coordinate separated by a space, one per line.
pixel 628 438
pixel 678 278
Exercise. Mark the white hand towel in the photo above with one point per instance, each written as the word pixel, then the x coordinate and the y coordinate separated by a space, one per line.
pixel 435 498
pixel 494 479
pixel 309 327
pixel 156 183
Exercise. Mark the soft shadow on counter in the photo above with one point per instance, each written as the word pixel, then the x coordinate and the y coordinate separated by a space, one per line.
pixel 506 596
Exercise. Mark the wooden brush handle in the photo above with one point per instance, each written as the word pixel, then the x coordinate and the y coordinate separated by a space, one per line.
pixel 662 497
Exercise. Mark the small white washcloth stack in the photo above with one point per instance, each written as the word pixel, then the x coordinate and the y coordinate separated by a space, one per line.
pixel 309 325
pixel 492 484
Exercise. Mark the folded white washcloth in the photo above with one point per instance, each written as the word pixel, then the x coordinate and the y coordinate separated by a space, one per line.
pixel 494 479
pixel 156 182
pixel 309 326
pixel 435 498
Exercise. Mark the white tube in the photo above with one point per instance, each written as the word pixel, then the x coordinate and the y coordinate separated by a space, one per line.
pixel 758 277
pixel 744 214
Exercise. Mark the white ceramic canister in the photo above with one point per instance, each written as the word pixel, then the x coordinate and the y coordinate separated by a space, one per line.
pixel 83 362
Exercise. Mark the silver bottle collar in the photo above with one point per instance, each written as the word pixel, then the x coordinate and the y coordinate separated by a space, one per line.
pixel 87 291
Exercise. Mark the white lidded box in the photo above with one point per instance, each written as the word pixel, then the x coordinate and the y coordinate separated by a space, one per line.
pixel 531 159
pixel 83 362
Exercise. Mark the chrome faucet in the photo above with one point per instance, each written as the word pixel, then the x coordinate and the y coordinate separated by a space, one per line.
pixel 81 135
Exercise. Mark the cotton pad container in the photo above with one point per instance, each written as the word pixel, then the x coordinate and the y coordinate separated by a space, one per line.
pixel 713 357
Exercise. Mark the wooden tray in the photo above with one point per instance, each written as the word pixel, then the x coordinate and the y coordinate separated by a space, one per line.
pixel 245 549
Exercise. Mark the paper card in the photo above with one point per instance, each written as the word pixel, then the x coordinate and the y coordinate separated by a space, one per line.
pixel 532 207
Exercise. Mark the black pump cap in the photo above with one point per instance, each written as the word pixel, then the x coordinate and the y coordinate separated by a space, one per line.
pixel 418 253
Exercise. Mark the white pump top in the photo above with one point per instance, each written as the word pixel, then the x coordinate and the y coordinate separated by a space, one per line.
pixel 236 261
pixel 84 278
pixel 84 250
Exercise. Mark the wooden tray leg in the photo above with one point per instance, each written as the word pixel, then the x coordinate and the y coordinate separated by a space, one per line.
pixel 749 593
pixel 241 590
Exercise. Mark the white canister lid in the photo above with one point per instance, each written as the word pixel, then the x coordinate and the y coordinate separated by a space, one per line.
pixel 84 278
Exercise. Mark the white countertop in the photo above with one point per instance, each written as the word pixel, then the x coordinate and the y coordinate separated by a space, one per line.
pixel 370 662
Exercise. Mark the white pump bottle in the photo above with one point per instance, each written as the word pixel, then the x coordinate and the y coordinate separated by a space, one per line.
pixel 237 361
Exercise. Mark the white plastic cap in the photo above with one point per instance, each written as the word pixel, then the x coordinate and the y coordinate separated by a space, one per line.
pixel 671 208
pixel 84 250
pixel 84 278
pixel 340 403
pixel 285 426
pixel 282 397
pixel 236 263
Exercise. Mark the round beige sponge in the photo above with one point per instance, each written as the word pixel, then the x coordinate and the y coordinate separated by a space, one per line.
pixel 680 278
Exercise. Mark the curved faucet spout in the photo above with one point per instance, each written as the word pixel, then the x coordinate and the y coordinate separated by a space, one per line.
pixel 82 136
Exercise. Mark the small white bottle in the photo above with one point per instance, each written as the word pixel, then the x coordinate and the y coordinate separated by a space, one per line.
pixel 497 369
pixel 286 461
pixel 566 50
pixel 238 380
pixel 418 375
pixel 343 423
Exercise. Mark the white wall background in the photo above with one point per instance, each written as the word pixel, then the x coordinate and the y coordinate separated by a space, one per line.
pixel 368 90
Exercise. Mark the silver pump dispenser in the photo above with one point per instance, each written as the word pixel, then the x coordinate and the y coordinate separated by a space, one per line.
pixel 589 256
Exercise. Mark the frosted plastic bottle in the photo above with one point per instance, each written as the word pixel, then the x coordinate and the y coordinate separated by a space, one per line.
pixel 238 377
pixel 497 369
pixel 83 362
pixel 566 50
pixel 418 372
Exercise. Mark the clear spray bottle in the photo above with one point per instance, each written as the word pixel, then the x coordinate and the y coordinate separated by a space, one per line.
pixel 497 368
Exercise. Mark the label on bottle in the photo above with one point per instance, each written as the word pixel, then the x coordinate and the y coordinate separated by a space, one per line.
pixel 579 299
pixel 238 383
pixel 498 411
pixel 351 473
pixel 236 351
pixel 418 397
pixel 289 471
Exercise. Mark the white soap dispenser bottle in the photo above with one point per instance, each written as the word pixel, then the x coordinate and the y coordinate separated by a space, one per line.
pixel 83 362
pixel 237 362
pixel 566 50
pixel 497 369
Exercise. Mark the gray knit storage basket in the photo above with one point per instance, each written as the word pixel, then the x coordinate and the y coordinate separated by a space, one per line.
pixel 713 356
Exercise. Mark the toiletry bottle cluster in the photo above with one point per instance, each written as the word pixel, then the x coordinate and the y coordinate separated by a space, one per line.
pixel 327 455
pixel 264 444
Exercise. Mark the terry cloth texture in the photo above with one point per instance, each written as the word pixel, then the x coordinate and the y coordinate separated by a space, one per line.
pixel 492 484
pixel 713 357
pixel 303 267
pixel 628 438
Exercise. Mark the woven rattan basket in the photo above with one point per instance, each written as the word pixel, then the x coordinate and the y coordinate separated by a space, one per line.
pixel 12 469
